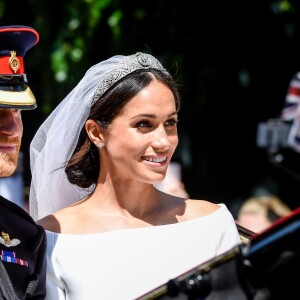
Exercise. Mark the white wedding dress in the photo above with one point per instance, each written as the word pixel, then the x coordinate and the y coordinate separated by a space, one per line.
pixel 125 264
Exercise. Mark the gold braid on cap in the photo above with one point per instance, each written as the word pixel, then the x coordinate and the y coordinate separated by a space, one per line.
pixel 130 64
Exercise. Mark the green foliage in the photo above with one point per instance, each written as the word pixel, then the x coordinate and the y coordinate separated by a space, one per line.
pixel 2 8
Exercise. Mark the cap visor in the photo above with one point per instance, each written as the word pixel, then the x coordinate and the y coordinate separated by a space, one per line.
pixel 20 100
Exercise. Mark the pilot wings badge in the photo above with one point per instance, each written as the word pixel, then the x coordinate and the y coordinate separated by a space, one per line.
pixel 6 241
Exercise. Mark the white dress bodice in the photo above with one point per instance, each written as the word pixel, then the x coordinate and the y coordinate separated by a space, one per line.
pixel 125 264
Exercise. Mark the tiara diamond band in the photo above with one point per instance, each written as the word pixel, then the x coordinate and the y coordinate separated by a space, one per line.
pixel 132 63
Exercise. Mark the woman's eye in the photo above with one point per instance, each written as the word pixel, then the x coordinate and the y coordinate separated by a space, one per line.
pixel 143 124
pixel 171 122
pixel 147 124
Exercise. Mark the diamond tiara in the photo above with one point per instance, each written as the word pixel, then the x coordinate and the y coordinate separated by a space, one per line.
pixel 130 64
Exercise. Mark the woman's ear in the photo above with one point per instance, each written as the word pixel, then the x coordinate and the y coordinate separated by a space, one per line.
pixel 94 131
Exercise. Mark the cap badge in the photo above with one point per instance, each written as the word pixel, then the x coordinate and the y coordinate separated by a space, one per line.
pixel 14 63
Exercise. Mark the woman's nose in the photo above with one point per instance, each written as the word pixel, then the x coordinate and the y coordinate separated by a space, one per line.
pixel 161 139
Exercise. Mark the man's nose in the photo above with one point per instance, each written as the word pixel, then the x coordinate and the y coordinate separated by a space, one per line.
pixel 9 122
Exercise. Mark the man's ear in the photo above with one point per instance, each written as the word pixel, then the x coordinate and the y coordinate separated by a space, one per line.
pixel 94 131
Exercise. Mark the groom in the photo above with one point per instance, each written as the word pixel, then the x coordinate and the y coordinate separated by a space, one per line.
pixel 22 241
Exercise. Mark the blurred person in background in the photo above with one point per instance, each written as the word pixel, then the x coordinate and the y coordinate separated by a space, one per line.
pixel 259 213
pixel 173 184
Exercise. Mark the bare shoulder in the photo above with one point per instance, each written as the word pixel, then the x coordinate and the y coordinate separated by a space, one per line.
pixel 199 208
pixel 49 223
pixel 54 222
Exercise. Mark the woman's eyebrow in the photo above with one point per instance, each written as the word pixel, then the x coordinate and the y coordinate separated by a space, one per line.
pixel 152 116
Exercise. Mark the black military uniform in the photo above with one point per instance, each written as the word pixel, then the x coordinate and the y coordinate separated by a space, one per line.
pixel 22 241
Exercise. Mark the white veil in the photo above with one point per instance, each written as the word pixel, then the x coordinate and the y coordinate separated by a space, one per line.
pixel 56 139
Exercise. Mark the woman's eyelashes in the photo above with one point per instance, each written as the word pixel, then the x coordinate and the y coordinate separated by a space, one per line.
pixel 146 124
pixel 171 122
